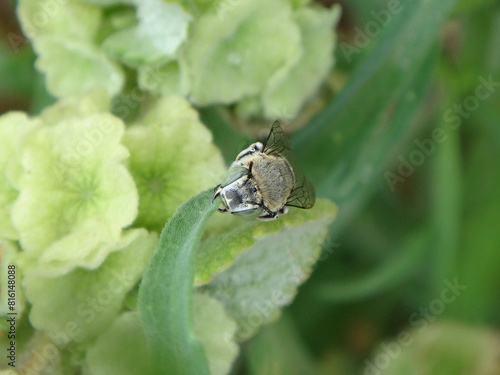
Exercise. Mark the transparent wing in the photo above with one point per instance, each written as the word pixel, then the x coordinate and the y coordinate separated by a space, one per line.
pixel 233 174
pixel 303 195
pixel 277 143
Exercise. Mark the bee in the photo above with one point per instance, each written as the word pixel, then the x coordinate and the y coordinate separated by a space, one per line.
pixel 261 181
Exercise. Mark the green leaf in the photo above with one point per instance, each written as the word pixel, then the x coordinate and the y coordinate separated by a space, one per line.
pixel 68 316
pixel 278 349
pixel 120 349
pixel 215 330
pixel 16 68
pixel 390 273
pixel 478 256
pixel 165 294
pixel 171 158
pixel 233 54
pixel 265 277
pixel 229 235
pixel 356 131
pixel 447 194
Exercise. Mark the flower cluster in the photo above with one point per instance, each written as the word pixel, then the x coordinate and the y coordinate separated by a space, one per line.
pixel 85 189
pixel 266 56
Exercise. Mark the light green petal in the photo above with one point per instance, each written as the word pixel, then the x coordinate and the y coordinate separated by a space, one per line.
pixel 161 30
pixel 232 55
pixel 171 159
pixel 95 101
pixel 81 304
pixel 164 79
pixel 105 3
pixel 286 94
pixel 14 127
pixel 89 245
pixel 121 349
pixel 265 278
pixel 74 19
pixel 62 35
pixel 74 179
pixel 215 330
pixel 73 67
pixel 299 3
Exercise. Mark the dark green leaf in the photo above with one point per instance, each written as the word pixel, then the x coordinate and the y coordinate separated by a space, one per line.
pixel 354 133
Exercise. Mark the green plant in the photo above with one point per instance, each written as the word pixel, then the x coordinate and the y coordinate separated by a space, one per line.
pixel 124 266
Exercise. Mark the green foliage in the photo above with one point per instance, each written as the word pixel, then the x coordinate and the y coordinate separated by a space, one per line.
pixel 164 145
pixel 165 295
pixel 121 349
pixel 228 237
pixel 132 116
pixel 445 348
pixel 265 277
pixel 70 316
pixel 160 30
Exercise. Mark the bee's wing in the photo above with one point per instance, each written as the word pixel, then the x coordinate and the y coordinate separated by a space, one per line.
pixel 277 143
pixel 233 174
pixel 303 195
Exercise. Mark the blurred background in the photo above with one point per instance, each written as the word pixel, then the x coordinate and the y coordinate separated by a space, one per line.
pixel 408 281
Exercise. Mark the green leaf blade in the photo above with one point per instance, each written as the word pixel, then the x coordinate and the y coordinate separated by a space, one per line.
pixel 265 277
pixel 356 131
pixel 165 295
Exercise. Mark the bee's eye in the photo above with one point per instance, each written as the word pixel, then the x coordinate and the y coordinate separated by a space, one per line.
pixel 254 189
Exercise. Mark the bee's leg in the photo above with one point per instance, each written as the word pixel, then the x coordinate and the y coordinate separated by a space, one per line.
pixel 217 191
pixel 283 211
pixel 222 210
pixel 268 215
pixel 250 166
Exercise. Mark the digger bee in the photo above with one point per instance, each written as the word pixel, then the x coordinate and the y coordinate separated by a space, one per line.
pixel 261 181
